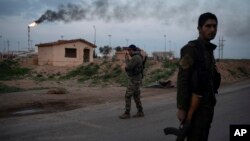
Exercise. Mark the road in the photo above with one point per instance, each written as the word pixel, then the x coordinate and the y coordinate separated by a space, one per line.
pixel 101 122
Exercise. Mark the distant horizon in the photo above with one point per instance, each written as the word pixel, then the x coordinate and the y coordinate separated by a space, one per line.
pixel 160 25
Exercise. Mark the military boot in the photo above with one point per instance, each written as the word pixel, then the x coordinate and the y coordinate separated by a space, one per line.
pixel 138 114
pixel 124 116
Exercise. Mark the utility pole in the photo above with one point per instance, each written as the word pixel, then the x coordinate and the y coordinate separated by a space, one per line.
pixel 1 43
pixel 94 54
pixel 31 46
pixel 18 44
pixel 109 40
pixel 165 47
pixel 94 34
pixel 170 53
pixel 165 43
pixel 127 42
pixel 221 47
pixel 169 45
pixel 28 38
pixel 8 46
pixel 175 50
pixel 4 46
pixel 0 48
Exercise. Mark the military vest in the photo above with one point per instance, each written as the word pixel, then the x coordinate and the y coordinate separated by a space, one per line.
pixel 205 78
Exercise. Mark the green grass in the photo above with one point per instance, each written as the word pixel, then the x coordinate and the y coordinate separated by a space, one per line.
pixel 107 72
pixel 122 79
pixel 83 71
pixel 169 64
pixel 92 73
pixel 10 69
pixel 168 68
pixel 111 73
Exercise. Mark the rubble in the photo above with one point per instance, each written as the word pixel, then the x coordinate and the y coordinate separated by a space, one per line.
pixel 161 84
pixel 57 91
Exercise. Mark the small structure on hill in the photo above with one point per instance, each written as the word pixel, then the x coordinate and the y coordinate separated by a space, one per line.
pixel 163 56
pixel 65 52
pixel 120 54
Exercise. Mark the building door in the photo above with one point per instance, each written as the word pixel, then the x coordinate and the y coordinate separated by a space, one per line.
pixel 86 55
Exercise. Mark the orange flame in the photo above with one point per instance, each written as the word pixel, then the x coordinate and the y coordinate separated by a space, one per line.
pixel 32 24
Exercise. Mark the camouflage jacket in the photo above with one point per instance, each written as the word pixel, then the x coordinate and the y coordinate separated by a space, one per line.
pixel 196 68
pixel 134 66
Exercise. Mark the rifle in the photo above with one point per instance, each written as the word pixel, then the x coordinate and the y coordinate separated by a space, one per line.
pixel 143 65
pixel 185 126
pixel 181 133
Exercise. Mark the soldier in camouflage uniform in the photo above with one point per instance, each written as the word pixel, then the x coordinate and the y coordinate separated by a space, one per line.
pixel 134 71
pixel 195 84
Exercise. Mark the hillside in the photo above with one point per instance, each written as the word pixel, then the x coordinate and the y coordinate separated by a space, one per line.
pixel 104 74
pixel 54 89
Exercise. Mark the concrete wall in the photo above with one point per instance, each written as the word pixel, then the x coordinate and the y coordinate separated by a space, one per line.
pixel 120 55
pixel 29 60
pixel 57 54
pixel 45 56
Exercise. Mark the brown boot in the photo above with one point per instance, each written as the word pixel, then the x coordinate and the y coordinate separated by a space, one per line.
pixel 124 116
pixel 138 114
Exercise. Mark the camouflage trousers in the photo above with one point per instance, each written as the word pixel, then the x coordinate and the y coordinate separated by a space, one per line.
pixel 133 90
pixel 201 124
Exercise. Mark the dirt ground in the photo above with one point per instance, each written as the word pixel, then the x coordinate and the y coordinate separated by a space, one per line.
pixel 75 98
pixel 79 95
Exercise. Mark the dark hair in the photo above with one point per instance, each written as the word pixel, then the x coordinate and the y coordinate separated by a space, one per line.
pixel 204 17
pixel 132 47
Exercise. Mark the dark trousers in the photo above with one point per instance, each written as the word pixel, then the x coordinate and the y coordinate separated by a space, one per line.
pixel 201 124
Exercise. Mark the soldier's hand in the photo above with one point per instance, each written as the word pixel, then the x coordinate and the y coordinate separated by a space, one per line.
pixel 181 115
pixel 126 56
pixel 184 129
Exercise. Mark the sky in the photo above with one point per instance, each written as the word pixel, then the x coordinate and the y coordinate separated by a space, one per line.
pixel 124 22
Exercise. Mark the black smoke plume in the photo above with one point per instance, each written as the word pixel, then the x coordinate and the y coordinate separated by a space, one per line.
pixel 67 13
pixel 183 13
pixel 117 11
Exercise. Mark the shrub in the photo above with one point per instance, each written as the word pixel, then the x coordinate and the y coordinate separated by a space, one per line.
pixel 84 71
pixel 168 68
pixel 243 70
pixel 233 73
pixel 10 69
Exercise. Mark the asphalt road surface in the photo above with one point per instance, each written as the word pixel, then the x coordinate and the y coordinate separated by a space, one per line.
pixel 101 122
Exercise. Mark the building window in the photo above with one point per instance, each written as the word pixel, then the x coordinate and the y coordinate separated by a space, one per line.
pixel 70 52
